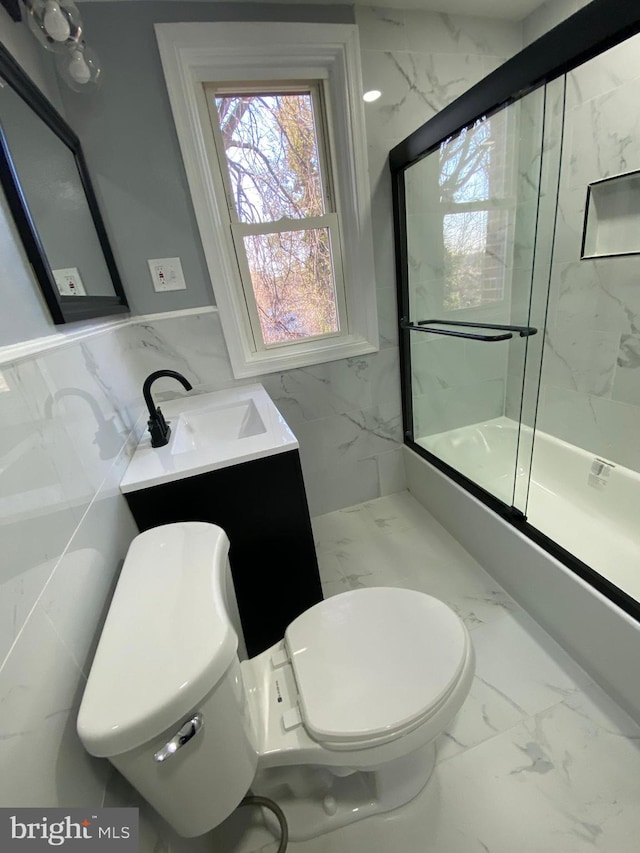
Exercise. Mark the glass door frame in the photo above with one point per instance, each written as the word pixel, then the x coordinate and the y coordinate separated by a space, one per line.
pixel 600 25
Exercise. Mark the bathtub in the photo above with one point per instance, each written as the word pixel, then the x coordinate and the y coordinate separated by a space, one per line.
pixel 599 634
pixel 585 503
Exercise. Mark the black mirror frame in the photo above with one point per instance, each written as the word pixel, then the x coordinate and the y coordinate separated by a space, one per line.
pixel 63 309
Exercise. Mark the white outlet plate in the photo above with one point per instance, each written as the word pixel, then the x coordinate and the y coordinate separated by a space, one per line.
pixel 166 274
pixel 69 282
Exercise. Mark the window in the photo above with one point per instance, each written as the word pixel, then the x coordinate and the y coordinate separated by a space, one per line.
pixel 474 183
pixel 275 166
pixel 270 123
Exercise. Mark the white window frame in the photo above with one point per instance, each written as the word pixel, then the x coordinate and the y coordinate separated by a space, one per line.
pixel 328 220
pixel 197 53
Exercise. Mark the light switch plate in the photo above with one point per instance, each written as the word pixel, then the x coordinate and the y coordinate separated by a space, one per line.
pixel 166 274
pixel 68 282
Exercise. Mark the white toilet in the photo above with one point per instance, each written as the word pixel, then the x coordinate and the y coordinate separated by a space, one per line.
pixel 335 722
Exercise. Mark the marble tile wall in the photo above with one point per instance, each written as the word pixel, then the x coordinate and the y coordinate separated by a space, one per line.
pixel 66 436
pixel 455 382
pixel 539 155
pixel 68 419
pixel 590 394
pixel 421 61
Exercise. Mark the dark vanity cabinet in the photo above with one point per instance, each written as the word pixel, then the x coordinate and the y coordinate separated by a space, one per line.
pixel 262 507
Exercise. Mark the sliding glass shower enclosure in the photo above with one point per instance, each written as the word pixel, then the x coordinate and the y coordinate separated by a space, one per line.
pixel 517 214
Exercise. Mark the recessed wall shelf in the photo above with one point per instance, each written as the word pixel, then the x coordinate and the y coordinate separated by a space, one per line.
pixel 612 217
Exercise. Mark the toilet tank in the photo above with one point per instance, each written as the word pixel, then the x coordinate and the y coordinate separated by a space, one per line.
pixel 164 700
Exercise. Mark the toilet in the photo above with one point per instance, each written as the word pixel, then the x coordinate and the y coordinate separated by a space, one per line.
pixel 335 722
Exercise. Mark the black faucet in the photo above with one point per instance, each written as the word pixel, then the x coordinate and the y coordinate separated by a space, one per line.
pixel 158 427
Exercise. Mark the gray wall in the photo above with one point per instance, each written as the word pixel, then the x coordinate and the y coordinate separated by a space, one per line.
pixel 131 146
pixel 35 61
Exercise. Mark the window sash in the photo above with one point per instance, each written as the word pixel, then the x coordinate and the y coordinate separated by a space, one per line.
pixel 329 220
pixel 318 95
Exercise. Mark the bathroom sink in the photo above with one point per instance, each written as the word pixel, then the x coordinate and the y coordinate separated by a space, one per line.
pixel 207 427
pixel 208 432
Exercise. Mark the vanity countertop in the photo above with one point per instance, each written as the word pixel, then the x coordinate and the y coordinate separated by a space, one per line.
pixel 209 432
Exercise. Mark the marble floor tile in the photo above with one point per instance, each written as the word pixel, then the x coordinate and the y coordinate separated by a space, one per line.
pixel 562 781
pixel 339 528
pixel 520 671
pixel 538 760
pixel 393 513
pixel 516 658
pixel 485 713
pixel 393 541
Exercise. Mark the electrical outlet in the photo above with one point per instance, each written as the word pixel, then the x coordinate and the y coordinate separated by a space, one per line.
pixel 166 274
pixel 69 282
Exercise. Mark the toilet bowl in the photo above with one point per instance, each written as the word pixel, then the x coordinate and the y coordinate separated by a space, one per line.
pixel 335 722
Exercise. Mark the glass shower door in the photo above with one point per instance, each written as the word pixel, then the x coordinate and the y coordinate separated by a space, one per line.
pixel 474 208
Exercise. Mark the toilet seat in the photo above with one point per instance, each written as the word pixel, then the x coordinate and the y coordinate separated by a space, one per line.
pixel 373 664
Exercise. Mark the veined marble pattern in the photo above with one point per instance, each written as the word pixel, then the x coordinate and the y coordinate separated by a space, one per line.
pixel 67 422
pixel 538 760
pixel 590 379
pixel 416 86
pixel 421 61
pixel 43 676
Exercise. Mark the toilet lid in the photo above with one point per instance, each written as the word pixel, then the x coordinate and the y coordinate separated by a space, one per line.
pixel 372 663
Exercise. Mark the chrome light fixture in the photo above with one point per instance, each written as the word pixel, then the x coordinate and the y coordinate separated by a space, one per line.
pixel 55 23
pixel 79 67
pixel 58 27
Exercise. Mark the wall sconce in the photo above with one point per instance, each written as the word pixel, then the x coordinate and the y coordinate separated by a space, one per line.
pixel 58 27
pixel 55 23
pixel 79 67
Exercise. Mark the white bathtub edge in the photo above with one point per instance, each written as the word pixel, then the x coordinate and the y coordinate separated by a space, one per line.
pixel 600 636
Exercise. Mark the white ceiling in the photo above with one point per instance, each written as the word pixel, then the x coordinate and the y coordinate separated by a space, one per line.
pixel 507 10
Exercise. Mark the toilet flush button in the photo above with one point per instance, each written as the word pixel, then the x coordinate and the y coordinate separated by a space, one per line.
pixel 291 719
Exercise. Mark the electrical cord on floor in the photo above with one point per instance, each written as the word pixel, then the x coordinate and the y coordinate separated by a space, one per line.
pixel 266 803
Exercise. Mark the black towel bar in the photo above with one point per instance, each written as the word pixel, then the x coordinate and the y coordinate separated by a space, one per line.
pixel 420 326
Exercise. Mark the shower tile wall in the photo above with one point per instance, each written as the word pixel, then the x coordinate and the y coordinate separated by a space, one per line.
pixel 540 120
pixel 455 382
pixel 347 414
pixel 421 61
pixel 590 394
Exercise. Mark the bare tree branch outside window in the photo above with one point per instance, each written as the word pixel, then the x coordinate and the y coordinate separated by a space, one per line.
pixel 274 168
pixel 473 174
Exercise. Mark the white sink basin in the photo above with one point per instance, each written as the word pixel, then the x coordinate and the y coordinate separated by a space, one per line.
pixel 210 431
pixel 207 427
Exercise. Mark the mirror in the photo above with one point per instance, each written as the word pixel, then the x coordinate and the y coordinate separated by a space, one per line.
pixel 45 179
